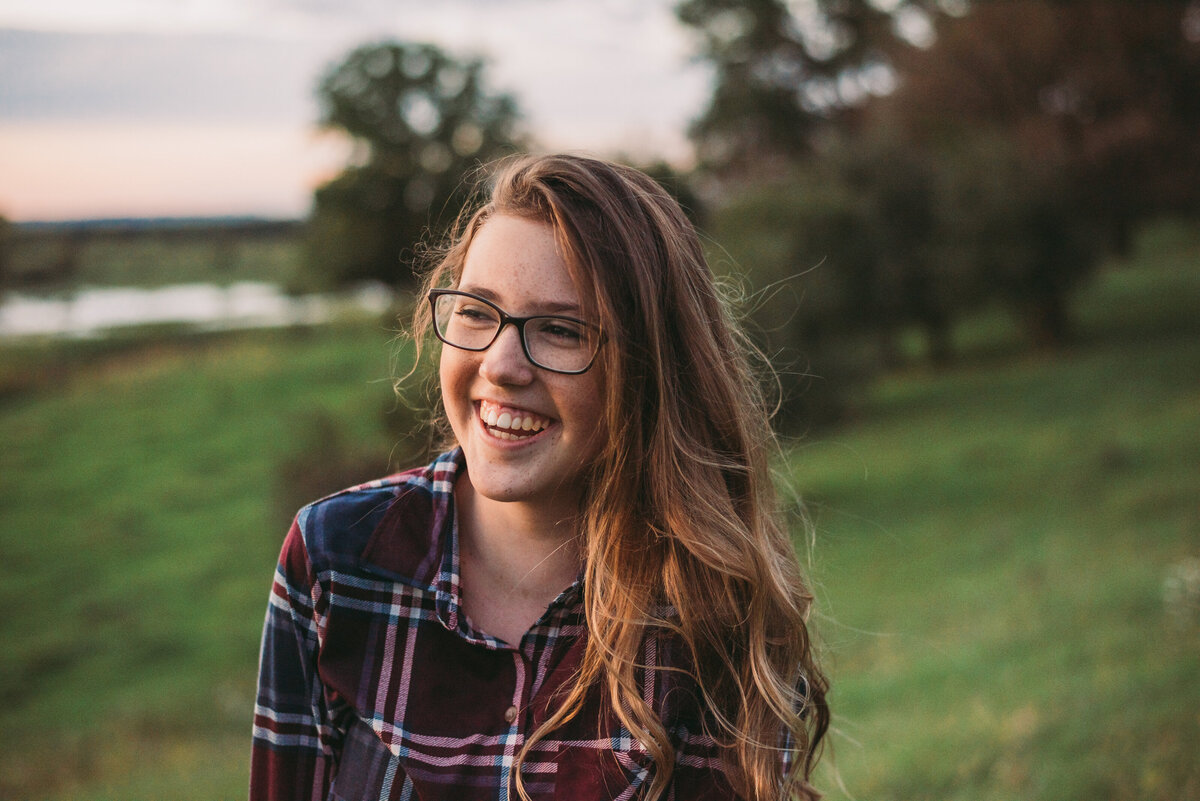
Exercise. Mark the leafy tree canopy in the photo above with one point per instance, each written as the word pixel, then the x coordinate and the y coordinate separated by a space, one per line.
pixel 421 120
pixel 1009 144
pixel 783 69
pixel 1106 95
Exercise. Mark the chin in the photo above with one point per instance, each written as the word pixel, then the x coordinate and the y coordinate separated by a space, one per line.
pixel 501 494
pixel 552 488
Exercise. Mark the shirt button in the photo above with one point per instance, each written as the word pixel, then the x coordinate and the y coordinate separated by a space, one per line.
pixel 510 714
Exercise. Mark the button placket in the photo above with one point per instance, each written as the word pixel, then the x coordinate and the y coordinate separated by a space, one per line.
pixel 520 696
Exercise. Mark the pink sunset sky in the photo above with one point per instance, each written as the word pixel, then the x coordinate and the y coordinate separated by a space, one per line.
pixel 114 108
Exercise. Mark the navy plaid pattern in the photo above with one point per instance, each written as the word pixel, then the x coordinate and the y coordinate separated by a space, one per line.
pixel 374 685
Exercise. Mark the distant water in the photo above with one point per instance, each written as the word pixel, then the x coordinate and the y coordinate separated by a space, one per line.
pixel 90 312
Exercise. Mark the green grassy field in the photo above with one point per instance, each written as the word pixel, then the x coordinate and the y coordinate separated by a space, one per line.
pixel 138 529
pixel 1002 552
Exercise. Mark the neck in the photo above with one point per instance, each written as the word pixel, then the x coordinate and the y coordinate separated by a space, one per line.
pixel 524 551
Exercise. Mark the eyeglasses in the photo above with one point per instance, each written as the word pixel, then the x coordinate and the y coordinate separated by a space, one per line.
pixel 554 343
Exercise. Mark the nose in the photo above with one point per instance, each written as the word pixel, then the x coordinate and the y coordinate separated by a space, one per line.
pixel 504 362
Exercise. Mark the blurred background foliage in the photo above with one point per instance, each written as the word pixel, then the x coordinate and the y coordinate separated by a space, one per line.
pixel 931 157
pixel 965 235
pixel 421 120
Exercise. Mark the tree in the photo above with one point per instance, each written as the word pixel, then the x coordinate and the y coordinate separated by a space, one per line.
pixel 1103 95
pixel 1088 117
pixel 784 71
pixel 421 121
pixel 1011 231
pixel 1024 139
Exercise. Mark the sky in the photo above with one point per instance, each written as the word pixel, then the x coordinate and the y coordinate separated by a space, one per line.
pixel 116 108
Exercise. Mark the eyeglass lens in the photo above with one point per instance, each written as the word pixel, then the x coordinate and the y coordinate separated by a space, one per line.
pixel 556 343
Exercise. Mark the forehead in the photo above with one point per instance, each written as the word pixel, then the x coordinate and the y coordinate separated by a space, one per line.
pixel 516 261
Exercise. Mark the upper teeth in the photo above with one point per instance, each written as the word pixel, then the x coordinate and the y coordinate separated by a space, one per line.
pixel 511 419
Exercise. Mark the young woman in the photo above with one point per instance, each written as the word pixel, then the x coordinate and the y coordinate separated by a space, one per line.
pixel 592 595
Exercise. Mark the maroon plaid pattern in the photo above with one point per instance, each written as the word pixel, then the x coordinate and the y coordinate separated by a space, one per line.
pixel 374 685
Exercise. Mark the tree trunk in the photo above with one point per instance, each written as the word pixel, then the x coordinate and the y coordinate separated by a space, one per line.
pixel 937 333
pixel 1048 322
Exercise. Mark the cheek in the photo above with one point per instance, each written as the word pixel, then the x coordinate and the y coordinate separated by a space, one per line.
pixel 592 406
pixel 454 377
pixel 443 374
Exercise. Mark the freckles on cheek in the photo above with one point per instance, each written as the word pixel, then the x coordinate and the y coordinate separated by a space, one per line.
pixel 442 376
pixel 454 370
pixel 450 389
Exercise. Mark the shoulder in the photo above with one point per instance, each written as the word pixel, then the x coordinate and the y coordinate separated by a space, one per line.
pixel 339 529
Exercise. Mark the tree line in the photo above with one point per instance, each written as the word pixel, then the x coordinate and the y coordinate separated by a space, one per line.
pixel 914 164
pixel 869 169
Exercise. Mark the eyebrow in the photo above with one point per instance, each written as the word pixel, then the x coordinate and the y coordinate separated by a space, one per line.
pixel 545 307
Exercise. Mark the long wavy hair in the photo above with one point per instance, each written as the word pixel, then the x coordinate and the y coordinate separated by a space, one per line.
pixel 681 529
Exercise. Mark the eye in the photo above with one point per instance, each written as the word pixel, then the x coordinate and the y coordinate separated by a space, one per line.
pixel 474 314
pixel 561 331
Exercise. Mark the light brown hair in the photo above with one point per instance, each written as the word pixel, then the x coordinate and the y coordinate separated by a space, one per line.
pixel 681 527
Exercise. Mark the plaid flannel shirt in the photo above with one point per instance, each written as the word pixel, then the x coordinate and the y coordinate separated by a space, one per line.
pixel 374 684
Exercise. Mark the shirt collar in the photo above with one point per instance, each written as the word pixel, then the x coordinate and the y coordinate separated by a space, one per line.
pixel 409 542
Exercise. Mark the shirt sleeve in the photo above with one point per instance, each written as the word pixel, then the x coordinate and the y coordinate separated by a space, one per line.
pixel 293 753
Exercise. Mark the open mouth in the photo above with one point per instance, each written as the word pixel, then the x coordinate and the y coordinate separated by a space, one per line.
pixel 507 422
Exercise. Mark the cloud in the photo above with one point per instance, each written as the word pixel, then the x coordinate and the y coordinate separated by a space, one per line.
pixel 154 85
pixel 183 77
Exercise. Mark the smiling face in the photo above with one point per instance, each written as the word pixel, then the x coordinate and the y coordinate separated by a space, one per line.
pixel 528 434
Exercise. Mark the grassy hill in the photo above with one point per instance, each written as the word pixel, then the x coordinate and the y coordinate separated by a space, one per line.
pixel 1003 552
pixel 1010 558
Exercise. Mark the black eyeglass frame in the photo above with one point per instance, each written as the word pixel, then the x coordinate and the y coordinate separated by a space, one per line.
pixel 519 323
